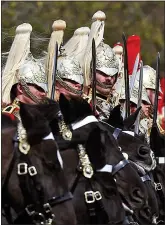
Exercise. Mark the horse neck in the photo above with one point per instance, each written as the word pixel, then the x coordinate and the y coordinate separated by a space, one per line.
pixel 113 153
pixel 71 160
pixel 7 148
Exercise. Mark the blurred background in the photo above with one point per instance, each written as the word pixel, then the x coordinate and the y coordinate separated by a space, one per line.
pixel 145 19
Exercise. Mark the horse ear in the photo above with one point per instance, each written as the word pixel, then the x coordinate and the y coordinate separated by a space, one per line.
pixel 34 122
pixel 50 109
pixel 81 107
pixel 129 122
pixel 64 106
pixel 94 149
pixel 115 118
pixel 157 142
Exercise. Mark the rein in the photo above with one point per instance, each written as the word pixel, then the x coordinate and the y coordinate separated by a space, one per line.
pixel 36 209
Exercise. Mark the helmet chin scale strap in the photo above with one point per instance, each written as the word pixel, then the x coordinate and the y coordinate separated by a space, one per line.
pixel 68 87
pixel 27 91
pixel 106 86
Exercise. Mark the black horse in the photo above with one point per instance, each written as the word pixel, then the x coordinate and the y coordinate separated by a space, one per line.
pixel 136 150
pixel 157 143
pixel 129 184
pixel 75 113
pixel 96 200
pixel 34 183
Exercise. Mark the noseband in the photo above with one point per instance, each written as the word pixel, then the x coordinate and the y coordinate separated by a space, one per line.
pixel 37 210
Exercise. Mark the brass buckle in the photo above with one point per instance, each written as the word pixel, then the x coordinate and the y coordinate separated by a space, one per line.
pixel 38 218
pixel 97 195
pixel 158 186
pixel 47 207
pixel 10 110
pixel 89 197
pixel 32 170
pixel 22 168
pixel 29 209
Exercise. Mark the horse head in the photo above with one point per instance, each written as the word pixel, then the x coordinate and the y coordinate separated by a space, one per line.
pixel 138 151
pixel 37 188
pixel 128 181
pixel 78 115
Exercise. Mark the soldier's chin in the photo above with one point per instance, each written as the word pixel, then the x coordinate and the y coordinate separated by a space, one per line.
pixel 104 91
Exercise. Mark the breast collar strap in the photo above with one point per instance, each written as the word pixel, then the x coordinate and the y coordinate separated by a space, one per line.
pixel 85 121
pixel 116 133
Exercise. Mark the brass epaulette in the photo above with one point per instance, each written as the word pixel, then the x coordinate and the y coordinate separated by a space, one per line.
pixel 11 108
pixel 162 131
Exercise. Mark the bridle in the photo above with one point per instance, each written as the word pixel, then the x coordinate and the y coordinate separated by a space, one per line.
pixel 36 209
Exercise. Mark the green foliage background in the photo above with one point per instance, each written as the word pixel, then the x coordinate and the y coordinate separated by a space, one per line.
pixel 145 19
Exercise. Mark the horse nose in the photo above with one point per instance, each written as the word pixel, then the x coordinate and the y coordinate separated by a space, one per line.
pixel 145 213
pixel 143 152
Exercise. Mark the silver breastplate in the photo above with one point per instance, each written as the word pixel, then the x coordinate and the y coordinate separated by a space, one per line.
pixel 103 107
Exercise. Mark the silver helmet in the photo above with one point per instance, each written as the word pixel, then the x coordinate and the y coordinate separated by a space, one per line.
pixel 149 77
pixel 106 60
pixel 69 68
pixel 33 72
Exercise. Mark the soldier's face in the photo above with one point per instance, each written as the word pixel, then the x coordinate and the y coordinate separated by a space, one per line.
pixel 146 108
pixel 151 95
pixel 106 80
pixel 35 90
pixel 133 107
pixel 68 94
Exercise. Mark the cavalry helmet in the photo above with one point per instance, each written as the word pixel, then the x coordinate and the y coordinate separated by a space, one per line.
pixel 149 77
pixel 106 60
pixel 69 68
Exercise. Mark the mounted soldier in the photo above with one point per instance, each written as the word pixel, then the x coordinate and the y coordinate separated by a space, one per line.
pixel 107 67
pixel 63 69
pixel 149 82
pixel 69 75
pixel 145 117
pixel 161 107
pixel 150 85
pixel 118 49
pixel 23 79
